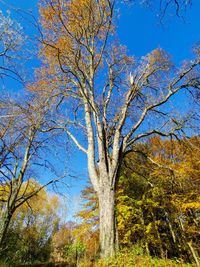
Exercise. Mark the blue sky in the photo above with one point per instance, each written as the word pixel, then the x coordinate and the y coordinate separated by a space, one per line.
pixel 138 29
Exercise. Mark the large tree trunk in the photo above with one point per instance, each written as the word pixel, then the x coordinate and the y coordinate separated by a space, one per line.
pixel 107 222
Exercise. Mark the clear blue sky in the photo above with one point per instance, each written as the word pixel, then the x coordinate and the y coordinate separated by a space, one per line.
pixel 138 29
pixel 140 32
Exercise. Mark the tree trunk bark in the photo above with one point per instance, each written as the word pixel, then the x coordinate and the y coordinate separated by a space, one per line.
pixel 107 222
pixel 5 220
pixel 9 209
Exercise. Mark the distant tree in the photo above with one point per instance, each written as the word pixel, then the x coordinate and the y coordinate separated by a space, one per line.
pixel 101 102
pixel 87 231
pixel 61 239
pixel 11 42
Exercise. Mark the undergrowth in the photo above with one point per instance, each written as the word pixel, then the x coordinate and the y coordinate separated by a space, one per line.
pixel 134 258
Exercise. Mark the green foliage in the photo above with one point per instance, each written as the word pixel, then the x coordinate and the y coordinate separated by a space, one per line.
pixel 135 258
pixel 75 250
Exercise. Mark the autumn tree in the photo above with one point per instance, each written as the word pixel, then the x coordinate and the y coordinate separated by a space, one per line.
pixel 176 164
pixel 87 231
pixel 158 193
pixel 21 145
pixel 62 239
pixel 31 228
pixel 157 200
pixel 103 107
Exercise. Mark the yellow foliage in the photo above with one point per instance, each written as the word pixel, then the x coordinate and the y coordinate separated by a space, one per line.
pixel 39 212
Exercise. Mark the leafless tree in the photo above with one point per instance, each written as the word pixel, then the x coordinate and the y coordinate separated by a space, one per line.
pixel 21 143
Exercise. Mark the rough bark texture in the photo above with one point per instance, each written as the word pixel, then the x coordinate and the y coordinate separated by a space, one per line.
pixel 107 222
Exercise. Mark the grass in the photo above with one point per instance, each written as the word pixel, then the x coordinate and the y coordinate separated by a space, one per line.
pixel 134 258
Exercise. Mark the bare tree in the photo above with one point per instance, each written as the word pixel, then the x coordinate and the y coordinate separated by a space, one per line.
pixel 20 145
pixel 107 100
